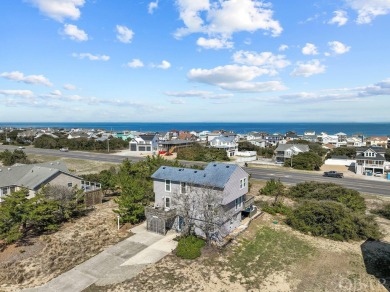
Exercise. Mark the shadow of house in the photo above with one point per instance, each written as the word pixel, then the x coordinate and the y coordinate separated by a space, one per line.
pixel 376 256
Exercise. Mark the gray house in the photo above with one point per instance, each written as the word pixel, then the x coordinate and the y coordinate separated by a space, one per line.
pixel 34 176
pixel 285 151
pixel 212 201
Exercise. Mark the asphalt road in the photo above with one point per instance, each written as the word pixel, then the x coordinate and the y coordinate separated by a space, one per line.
pixel 370 186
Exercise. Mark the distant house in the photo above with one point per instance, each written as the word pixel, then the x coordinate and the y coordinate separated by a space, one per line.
pixel 355 142
pixel 380 141
pixel 370 160
pixel 227 143
pixel 285 151
pixel 145 143
pixel 258 142
pixel 216 196
pixel 34 176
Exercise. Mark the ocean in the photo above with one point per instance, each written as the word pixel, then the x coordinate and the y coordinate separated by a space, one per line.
pixel 367 129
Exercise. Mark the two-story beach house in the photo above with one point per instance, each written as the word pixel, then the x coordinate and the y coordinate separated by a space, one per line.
pixel 189 198
pixel 370 160
pixel 227 143
pixel 286 151
pixel 144 143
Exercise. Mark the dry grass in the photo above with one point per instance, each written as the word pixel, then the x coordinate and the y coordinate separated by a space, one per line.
pixel 77 166
pixel 266 257
pixel 74 243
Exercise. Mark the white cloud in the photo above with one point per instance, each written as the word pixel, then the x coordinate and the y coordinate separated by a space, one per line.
pixel 69 87
pixel 309 49
pixel 343 94
pixel 226 17
pixel 59 9
pixel 338 47
pixel 308 69
pixel 369 9
pixel 124 34
pixel 74 33
pixel 17 92
pixel 199 93
pixel 177 101
pixel 263 59
pixel 30 79
pixel 282 48
pixel 135 63
pixel 91 57
pixel 214 43
pixel 164 65
pixel 340 18
pixel 152 6
pixel 235 77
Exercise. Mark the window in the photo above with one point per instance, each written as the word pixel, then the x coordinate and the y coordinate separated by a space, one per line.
pixel 183 188
pixel 70 184
pixel 167 202
pixel 168 185
pixel 238 202
pixel 243 183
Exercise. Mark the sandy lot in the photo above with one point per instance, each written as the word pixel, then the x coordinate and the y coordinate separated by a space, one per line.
pixel 47 256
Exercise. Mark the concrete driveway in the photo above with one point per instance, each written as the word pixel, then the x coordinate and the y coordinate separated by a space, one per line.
pixel 116 264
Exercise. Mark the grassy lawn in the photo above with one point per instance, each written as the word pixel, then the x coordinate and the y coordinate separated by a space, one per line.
pixel 267 252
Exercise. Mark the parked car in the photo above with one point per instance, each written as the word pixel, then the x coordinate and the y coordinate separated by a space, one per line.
pixel 64 149
pixel 20 147
pixel 334 173
pixel 378 174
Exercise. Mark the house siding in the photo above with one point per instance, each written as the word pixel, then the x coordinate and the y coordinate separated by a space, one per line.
pixel 232 189
pixel 63 179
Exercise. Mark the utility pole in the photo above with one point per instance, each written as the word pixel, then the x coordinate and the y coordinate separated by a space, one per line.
pixel 108 145
pixel 291 158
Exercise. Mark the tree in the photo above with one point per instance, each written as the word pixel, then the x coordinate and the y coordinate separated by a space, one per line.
pixel 350 152
pixel 387 154
pixel 14 213
pixel 10 158
pixel 273 188
pixel 305 161
pixel 68 200
pixel 201 211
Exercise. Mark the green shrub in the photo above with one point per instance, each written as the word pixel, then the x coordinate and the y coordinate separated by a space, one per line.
pixel 189 247
pixel 275 208
pixel 332 220
pixel 328 191
pixel 384 211
pixel 272 187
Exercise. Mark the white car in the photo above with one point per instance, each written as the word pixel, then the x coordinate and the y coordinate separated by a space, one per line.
pixel 20 147
pixel 378 174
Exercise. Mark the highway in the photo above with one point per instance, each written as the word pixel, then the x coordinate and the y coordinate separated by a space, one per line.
pixel 370 185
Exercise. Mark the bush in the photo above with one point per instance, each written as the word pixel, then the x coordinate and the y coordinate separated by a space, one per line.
pixel 332 220
pixel 305 161
pixel 275 208
pixel 329 191
pixel 272 187
pixel 199 153
pixel 189 247
pixel 384 211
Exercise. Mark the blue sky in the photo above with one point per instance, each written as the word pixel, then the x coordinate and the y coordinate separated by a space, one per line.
pixel 194 61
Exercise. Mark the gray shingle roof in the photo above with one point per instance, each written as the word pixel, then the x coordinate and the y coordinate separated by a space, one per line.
pixel 214 175
pixel 284 147
pixel 30 176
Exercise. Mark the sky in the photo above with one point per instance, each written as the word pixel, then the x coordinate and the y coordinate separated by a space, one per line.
pixel 194 61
